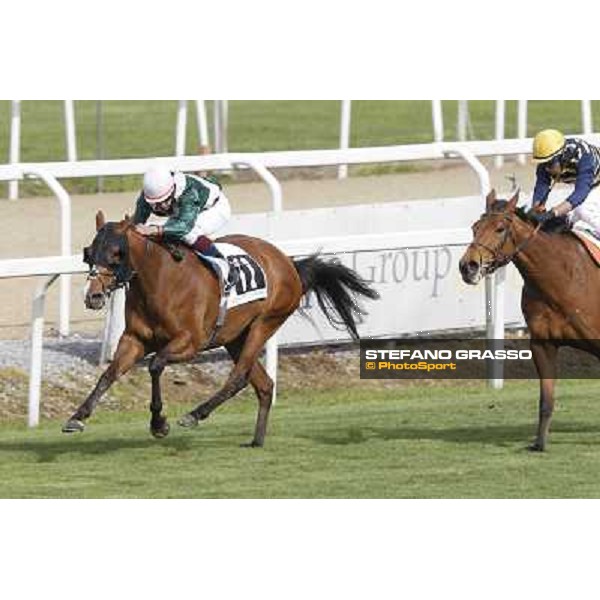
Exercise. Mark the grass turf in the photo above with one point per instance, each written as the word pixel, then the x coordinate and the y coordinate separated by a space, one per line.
pixel 418 442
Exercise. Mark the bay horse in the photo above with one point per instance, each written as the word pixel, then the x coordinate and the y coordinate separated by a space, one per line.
pixel 561 293
pixel 172 308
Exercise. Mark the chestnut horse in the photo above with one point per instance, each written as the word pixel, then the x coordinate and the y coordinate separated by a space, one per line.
pixel 172 308
pixel 560 298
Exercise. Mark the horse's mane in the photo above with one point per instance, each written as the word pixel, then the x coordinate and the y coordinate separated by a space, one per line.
pixel 555 226
pixel 522 214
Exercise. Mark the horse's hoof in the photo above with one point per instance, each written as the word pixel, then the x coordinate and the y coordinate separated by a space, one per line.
pixel 188 421
pixel 252 444
pixel 73 426
pixel 162 431
pixel 536 447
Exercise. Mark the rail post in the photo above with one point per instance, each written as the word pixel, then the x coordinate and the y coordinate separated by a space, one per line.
pixel 500 120
pixel 202 123
pixel 268 177
pixel 586 116
pixel 271 348
pixel 70 130
pixel 462 121
pixel 438 120
pixel 344 134
pixel 35 365
pixel 521 126
pixel 181 128
pixel 64 201
pixel 494 284
pixel 114 325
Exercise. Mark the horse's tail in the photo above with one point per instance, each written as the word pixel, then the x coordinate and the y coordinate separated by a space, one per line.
pixel 337 289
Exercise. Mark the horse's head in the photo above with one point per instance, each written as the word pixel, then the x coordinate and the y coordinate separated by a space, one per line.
pixel 493 243
pixel 108 260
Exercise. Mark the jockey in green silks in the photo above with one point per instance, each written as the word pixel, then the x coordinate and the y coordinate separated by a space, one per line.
pixel 176 207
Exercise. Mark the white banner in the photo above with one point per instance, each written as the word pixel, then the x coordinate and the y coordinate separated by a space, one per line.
pixel 421 292
pixel 420 285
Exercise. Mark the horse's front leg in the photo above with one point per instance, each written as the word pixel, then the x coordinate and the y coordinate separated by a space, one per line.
pixel 159 426
pixel 179 349
pixel 129 351
pixel 544 357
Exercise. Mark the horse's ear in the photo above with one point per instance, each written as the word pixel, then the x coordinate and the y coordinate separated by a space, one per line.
pixel 100 220
pixel 512 203
pixel 490 199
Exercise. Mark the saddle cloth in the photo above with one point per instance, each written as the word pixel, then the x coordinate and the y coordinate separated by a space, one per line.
pixel 252 282
pixel 589 239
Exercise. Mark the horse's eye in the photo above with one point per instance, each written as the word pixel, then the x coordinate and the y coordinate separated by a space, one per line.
pixel 114 256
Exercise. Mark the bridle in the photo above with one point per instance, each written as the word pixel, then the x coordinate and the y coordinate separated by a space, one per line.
pixel 94 274
pixel 499 258
pixel 122 272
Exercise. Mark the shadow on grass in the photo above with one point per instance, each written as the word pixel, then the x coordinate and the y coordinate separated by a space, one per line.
pixel 49 451
pixel 496 435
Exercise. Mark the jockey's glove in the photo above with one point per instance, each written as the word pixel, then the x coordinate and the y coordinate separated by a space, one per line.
pixel 541 217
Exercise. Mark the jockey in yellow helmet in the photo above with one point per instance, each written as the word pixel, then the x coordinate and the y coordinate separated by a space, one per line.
pixel 567 160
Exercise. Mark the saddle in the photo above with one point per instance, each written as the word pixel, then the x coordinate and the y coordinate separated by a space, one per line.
pixel 590 241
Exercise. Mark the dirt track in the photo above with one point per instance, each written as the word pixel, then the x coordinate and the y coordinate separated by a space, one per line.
pixel 31 227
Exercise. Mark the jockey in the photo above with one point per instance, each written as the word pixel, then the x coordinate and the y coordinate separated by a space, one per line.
pixel 567 160
pixel 191 209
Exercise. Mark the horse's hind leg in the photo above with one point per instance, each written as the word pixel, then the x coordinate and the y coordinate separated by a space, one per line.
pixel 259 333
pixel 544 357
pixel 128 352
pixel 263 386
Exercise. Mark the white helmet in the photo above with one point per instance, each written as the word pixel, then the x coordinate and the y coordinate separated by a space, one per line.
pixel 159 184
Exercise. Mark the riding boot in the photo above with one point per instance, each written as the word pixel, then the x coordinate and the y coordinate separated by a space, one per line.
pixel 206 247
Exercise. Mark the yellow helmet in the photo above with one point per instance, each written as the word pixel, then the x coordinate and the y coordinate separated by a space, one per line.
pixel 547 144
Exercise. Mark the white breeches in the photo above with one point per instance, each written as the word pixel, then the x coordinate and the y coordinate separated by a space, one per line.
pixel 588 212
pixel 210 221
